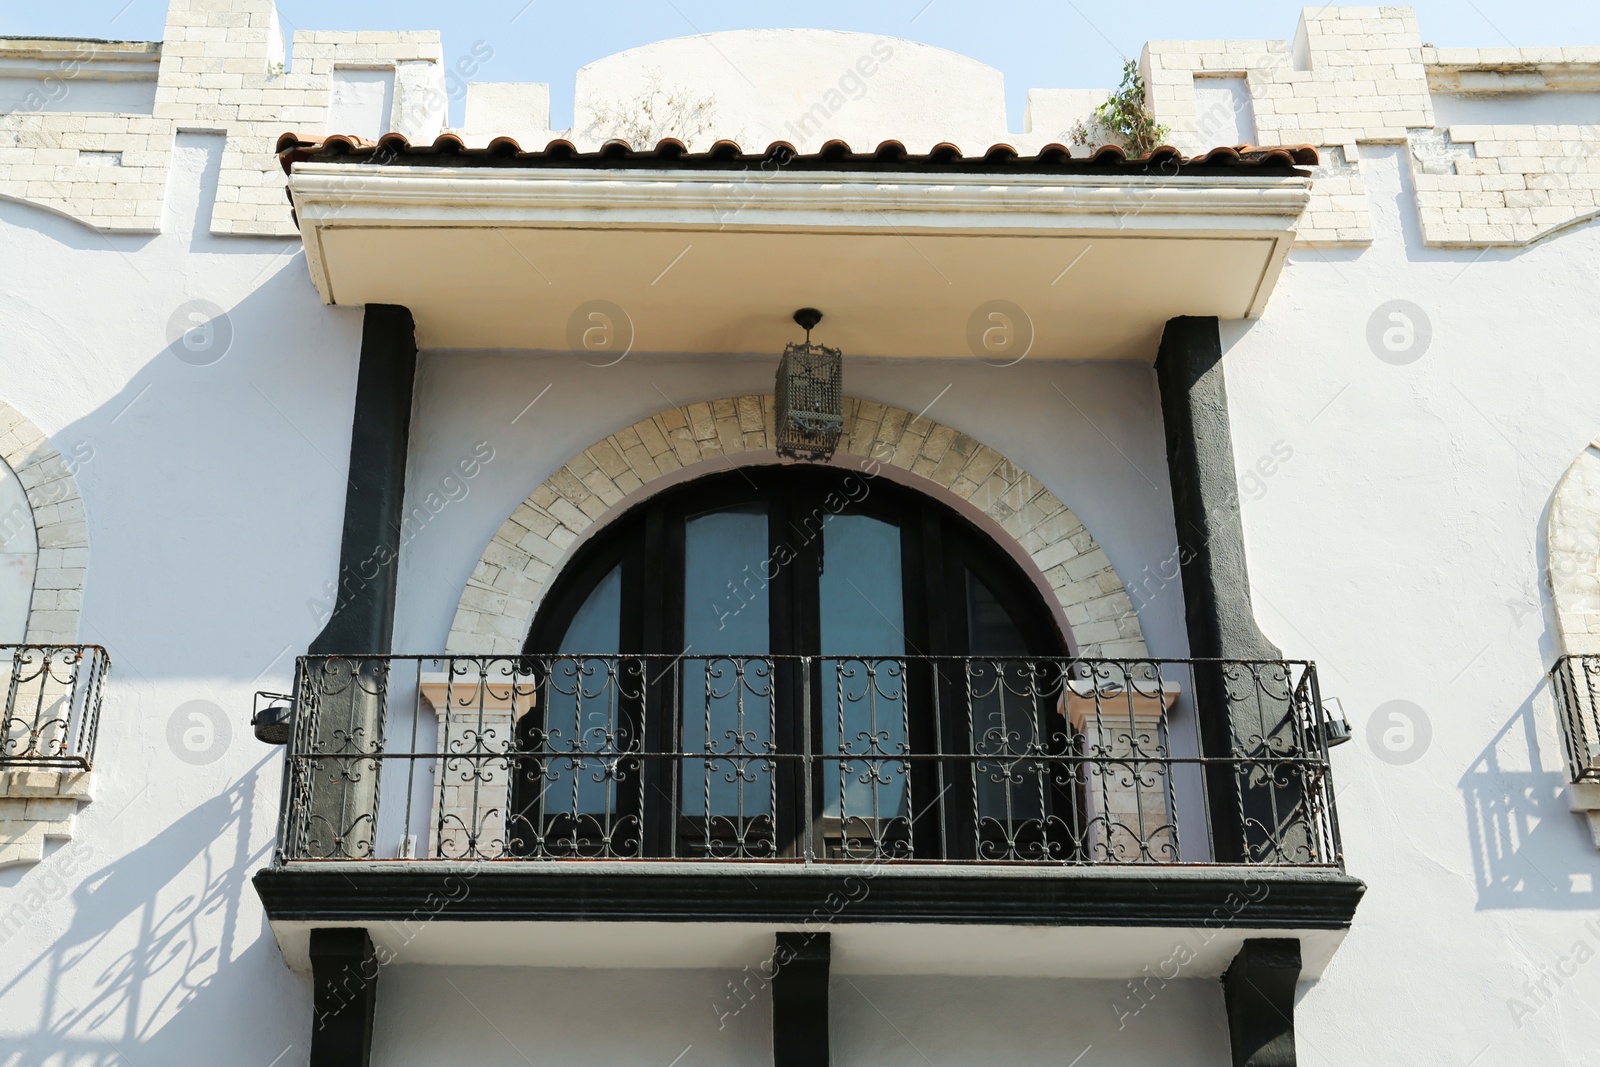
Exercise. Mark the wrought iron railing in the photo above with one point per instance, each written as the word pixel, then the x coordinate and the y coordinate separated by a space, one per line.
pixel 808 759
pixel 1576 681
pixel 52 704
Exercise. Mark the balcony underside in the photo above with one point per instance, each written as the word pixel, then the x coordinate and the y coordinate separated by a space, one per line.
pixel 1061 922
pixel 904 264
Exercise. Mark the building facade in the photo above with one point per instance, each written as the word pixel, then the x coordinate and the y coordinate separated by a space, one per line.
pixel 790 570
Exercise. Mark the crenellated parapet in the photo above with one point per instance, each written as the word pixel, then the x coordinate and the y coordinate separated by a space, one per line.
pixel 1493 161
pixel 220 68
pixel 1503 144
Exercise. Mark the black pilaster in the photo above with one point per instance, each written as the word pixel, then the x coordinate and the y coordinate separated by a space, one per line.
pixel 800 1000
pixel 374 504
pixel 1259 991
pixel 344 973
pixel 347 719
pixel 1205 497
pixel 1258 804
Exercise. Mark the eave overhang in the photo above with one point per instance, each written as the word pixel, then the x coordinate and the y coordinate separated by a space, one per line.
pixel 904 262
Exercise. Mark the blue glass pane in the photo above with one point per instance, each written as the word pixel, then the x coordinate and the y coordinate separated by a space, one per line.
pixel 727 696
pixel 863 674
pixel 581 713
pixel 1011 786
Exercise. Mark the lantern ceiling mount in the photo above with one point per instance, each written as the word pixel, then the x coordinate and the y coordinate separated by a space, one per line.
pixel 809 394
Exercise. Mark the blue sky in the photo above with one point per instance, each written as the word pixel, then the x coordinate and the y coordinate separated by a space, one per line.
pixel 1036 43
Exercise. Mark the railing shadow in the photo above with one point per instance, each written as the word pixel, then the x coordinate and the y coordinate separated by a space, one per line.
pixel 1519 827
pixel 152 996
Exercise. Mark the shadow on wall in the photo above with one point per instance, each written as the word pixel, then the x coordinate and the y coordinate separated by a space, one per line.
pixel 154 1002
pixel 140 941
pixel 1519 823
pixel 249 382
pixel 1520 829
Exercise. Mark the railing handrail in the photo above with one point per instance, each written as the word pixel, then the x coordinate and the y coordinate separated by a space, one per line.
pixel 1115 760
pixel 490 657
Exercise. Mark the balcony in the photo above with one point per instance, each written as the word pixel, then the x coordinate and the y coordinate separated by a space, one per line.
pixel 1576 683
pixel 52 705
pixel 552 792
pixel 47 738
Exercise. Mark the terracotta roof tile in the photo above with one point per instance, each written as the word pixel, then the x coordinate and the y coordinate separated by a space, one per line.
pixel 449 150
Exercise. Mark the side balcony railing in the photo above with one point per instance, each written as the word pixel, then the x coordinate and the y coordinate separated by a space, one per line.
pixel 52 704
pixel 1576 681
pixel 807 759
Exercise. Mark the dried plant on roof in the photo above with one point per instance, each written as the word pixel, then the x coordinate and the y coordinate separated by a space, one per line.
pixel 657 113
pixel 1124 118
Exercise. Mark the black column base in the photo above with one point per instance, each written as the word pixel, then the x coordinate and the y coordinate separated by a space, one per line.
pixel 344 973
pixel 1259 992
pixel 800 1000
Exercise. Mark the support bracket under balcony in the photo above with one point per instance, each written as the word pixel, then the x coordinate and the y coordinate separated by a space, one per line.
pixel 1259 992
pixel 344 972
pixel 800 999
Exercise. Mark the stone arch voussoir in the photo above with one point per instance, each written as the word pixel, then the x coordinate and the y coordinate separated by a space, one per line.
pixel 497 607
pixel 1573 541
pixel 60 524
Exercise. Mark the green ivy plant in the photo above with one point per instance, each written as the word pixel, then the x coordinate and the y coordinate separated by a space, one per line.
pixel 1124 116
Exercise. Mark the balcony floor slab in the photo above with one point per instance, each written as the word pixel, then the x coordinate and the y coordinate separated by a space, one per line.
pixel 1044 922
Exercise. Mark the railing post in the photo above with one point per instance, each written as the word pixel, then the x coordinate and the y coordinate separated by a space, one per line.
pixel 807 760
pixel 339 766
pixel 289 787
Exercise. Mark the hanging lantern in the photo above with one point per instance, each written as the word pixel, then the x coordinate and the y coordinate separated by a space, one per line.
pixel 810 395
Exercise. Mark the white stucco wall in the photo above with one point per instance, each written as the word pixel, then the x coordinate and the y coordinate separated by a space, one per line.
pixel 511 1015
pixel 214 494
pixel 507 1016
pixel 889 1021
pixel 804 87
pixel 1401 548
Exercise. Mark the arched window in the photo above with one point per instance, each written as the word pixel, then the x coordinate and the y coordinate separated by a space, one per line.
pixel 781 657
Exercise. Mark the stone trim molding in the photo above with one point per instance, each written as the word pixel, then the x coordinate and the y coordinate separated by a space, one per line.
pixel 1572 537
pixel 1572 541
pixel 63 531
pixel 36 805
pixel 497 607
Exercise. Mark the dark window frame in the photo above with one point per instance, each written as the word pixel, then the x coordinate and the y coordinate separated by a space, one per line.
pixel 938 547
